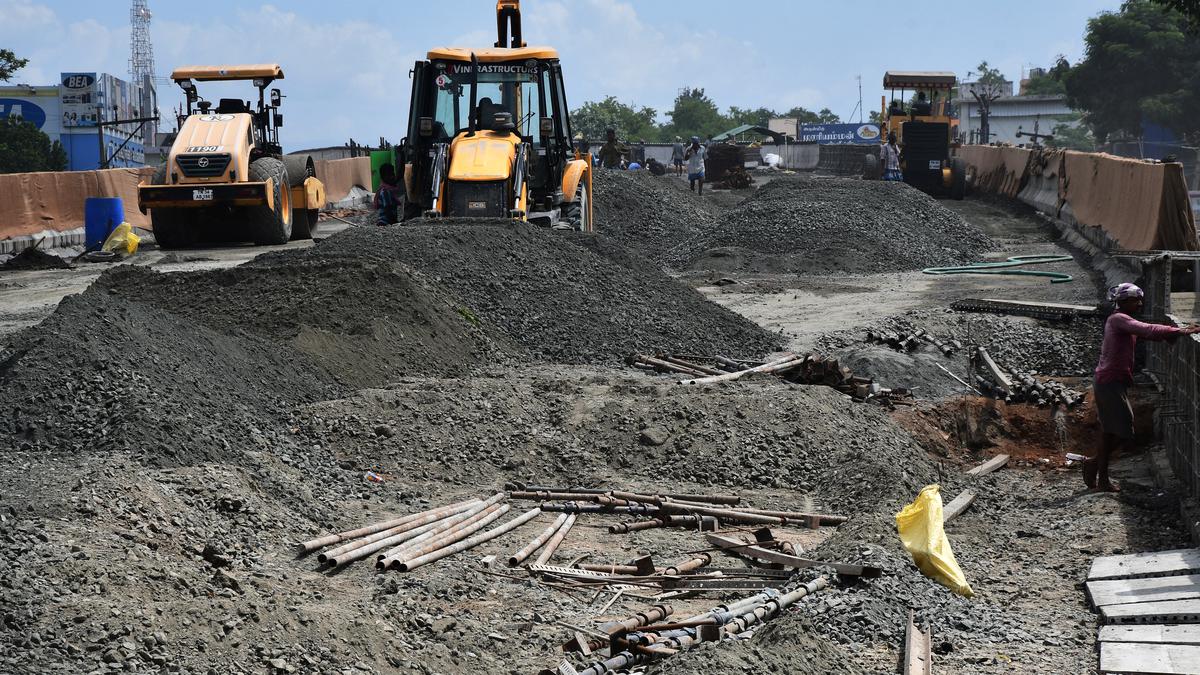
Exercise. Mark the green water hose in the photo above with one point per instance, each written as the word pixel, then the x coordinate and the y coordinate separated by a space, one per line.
pixel 1005 268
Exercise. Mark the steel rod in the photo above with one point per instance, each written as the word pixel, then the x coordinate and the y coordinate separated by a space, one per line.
pixel 537 542
pixel 328 540
pixel 465 529
pixel 556 540
pixel 427 519
pixel 410 565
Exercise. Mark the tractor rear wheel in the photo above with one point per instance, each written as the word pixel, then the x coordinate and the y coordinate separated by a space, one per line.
pixel 173 228
pixel 271 225
pixel 958 178
pixel 578 213
pixel 299 169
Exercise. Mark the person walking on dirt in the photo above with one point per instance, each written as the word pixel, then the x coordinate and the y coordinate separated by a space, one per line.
pixel 613 152
pixel 889 159
pixel 387 197
pixel 695 165
pixel 677 156
pixel 1114 374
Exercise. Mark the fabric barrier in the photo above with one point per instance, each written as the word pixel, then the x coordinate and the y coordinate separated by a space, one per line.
pixel 53 201
pixel 1135 204
pixel 341 175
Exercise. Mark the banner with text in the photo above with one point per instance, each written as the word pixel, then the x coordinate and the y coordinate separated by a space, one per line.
pixel 839 134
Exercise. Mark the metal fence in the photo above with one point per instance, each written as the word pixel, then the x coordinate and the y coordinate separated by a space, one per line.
pixel 1177 367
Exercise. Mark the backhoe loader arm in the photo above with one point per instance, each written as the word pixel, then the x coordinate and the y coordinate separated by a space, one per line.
pixel 508 20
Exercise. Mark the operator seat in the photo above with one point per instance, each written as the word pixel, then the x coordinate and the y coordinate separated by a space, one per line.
pixel 230 106
pixel 485 114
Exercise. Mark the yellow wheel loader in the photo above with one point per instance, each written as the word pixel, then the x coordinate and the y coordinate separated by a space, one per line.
pixel 226 176
pixel 489 135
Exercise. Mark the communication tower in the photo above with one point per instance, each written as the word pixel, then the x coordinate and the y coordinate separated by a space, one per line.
pixel 141 50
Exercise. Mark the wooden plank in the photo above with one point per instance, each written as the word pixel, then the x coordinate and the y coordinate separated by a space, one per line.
pixel 999 376
pixel 1153 589
pixel 1165 611
pixel 956 507
pixel 1153 564
pixel 1174 635
pixel 918 657
pixel 989 466
pixel 1135 657
pixel 742 548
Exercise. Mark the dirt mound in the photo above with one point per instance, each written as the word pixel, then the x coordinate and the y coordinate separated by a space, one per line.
pixel 783 645
pixel 104 374
pixel 34 259
pixel 559 300
pixel 830 225
pixel 650 214
pixel 363 322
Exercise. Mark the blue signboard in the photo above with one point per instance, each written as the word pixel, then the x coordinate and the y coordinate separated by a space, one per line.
pixel 840 134
pixel 25 109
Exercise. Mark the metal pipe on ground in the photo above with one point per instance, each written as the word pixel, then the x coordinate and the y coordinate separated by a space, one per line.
pixel 652 615
pixel 619 662
pixel 429 518
pixel 773 607
pixel 537 542
pixel 724 515
pixel 632 509
pixel 410 565
pixel 729 377
pixel 345 558
pixel 702 370
pixel 446 526
pixel 465 529
pixel 556 540
pixel 662 365
pixel 688 565
pixel 704 499
pixel 821 518
pixel 328 540
pixel 548 496
pixel 690 499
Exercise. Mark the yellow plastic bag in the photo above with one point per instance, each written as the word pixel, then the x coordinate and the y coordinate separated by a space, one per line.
pixel 122 240
pixel 921 532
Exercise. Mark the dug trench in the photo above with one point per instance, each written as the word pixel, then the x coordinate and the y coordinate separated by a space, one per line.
pixel 170 437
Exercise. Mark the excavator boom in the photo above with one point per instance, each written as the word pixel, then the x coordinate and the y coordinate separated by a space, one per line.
pixel 508 21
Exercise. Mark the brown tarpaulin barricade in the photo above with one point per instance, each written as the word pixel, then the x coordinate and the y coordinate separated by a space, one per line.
pixel 1140 205
pixel 341 175
pixel 35 202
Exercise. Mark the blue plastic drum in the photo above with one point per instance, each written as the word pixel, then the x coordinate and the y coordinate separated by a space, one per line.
pixel 101 215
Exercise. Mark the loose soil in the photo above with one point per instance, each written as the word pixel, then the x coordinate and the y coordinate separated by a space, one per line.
pixel 170 435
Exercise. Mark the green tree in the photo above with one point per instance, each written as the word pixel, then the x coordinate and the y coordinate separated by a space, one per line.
pixel 1071 134
pixel 1139 66
pixel 10 64
pixel 1052 83
pixel 694 114
pixel 757 117
pixel 24 148
pixel 806 116
pixel 1189 8
pixel 630 123
pixel 989 86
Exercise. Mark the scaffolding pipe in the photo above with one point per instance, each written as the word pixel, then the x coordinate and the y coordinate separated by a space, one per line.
pixel 343 559
pixel 448 525
pixel 519 557
pixel 410 565
pixel 328 540
pixel 556 540
pixel 429 518
pixel 446 534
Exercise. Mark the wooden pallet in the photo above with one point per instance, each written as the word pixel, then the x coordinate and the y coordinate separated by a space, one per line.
pixel 1139 565
pixel 1152 589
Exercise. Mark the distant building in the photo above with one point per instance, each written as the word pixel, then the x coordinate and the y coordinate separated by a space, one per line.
pixel 67 112
pixel 789 126
pixel 1010 114
pixel 1006 87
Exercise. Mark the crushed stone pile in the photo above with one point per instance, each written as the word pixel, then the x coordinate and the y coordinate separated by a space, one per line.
pixel 653 215
pixel 34 259
pixel 560 301
pixel 830 225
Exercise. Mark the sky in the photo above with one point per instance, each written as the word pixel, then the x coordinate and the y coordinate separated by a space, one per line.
pixel 347 63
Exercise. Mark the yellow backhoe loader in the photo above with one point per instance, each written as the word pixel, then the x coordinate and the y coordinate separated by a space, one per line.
pixel 489 135
pixel 226 176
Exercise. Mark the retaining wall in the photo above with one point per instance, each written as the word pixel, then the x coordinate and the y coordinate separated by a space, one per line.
pixel 50 204
pixel 1116 201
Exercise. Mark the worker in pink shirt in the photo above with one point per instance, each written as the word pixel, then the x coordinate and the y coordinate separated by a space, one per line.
pixel 1115 374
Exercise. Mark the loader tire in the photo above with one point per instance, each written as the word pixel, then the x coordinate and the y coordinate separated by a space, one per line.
pixel 958 178
pixel 577 213
pixel 271 225
pixel 173 228
pixel 304 221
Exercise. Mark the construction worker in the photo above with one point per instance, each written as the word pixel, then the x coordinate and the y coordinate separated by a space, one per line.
pixel 613 152
pixel 387 197
pixel 695 165
pixel 889 159
pixel 677 156
pixel 1114 374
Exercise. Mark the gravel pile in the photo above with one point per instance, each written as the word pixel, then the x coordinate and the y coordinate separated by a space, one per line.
pixel 558 300
pixel 653 215
pixel 34 259
pixel 814 225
